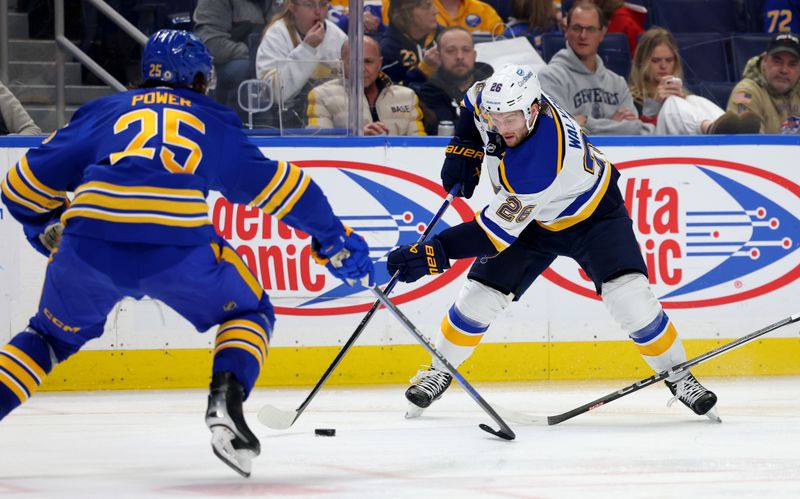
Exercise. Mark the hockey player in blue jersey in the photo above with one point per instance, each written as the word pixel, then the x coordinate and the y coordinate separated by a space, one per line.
pixel 140 164
pixel 555 194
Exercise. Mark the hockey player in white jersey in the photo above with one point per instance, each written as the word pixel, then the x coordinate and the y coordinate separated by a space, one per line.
pixel 555 194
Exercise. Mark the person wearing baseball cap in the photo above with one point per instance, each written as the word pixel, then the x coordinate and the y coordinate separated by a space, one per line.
pixel 769 87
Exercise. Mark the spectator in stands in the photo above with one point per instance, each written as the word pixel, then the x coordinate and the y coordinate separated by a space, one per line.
pixel 657 88
pixel 441 95
pixel 225 28
pixel 770 87
pixel 13 117
pixel 576 77
pixel 781 16
pixel 625 18
pixel 473 15
pixel 339 13
pixel 297 53
pixel 388 109
pixel 408 45
pixel 533 18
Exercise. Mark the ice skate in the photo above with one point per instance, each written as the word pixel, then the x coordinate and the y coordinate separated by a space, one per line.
pixel 427 386
pixel 694 396
pixel 231 439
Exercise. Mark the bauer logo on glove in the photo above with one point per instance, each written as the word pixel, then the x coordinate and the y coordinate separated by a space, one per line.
pixel 466 151
pixel 462 164
pixel 413 261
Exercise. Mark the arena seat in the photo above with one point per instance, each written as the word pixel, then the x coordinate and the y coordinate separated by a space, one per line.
pixel 695 16
pixel 704 56
pixel 743 47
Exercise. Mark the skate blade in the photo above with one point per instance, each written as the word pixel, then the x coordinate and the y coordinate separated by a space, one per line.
pixel 713 415
pixel 414 411
pixel 239 460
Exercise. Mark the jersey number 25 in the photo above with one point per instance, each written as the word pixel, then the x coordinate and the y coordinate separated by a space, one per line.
pixel 169 126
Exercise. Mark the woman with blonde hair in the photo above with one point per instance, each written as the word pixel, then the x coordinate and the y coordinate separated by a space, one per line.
pixel 294 44
pixel 656 85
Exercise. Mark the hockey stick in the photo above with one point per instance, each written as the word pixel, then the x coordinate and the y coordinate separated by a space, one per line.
pixel 504 431
pixel 279 419
pixel 682 367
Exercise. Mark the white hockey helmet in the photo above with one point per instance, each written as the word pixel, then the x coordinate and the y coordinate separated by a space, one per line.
pixel 512 88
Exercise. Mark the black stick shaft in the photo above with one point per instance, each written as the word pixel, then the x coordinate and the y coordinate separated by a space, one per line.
pixel 363 324
pixel 505 431
pixel 685 366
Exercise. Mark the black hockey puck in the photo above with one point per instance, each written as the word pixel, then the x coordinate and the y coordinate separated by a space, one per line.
pixel 325 432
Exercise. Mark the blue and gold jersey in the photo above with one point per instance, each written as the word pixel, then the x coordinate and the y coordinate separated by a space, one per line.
pixel 140 164
pixel 554 177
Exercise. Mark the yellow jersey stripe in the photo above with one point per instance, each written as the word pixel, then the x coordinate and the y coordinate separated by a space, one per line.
pixel 276 179
pixel 140 204
pixel 24 359
pixel 498 243
pixel 586 212
pixel 279 197
pixel 504 179
pixel 295 197
pixel 560 141
pixel 21 374
pixel 140 190
pixel 660 344
pixel 24 202
pixel 234 259
pixel 30 177
pixel 458 337
pixel 12 385
pixel 135 218
pixel 216 250
pixel 241 346
pixel 17 181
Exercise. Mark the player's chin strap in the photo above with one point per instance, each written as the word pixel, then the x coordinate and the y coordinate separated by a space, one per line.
pixel 535 117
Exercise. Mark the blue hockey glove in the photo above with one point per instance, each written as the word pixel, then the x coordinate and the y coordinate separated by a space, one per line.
pixel 417 260
pixel 347 258
pixel 462 163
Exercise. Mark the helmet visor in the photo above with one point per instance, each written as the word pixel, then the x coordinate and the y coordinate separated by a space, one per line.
pixel 506 122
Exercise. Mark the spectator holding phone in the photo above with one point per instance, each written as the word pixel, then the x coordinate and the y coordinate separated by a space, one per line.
pixel 657 88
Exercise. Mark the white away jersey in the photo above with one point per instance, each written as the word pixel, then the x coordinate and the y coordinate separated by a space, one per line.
pixel 555 177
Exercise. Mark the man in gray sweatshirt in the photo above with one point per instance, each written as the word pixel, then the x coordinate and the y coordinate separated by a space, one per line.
pixel 576 77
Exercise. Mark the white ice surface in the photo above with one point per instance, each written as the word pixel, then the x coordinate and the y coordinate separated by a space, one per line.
pixel 155 444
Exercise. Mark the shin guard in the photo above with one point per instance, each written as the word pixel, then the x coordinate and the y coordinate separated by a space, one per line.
pixel 631 302
pixel 467 320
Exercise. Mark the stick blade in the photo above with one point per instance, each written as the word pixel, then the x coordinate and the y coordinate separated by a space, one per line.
pixel 275 418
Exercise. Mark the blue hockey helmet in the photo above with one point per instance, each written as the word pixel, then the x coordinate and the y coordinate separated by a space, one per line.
pixel 175 56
